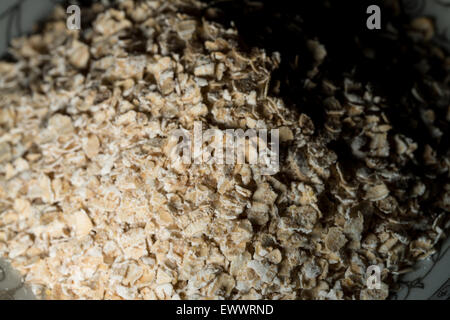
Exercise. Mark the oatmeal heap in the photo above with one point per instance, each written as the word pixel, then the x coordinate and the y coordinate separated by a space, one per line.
pixel 95 205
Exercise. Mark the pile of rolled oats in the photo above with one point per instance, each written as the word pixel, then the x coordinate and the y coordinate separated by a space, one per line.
pixel 93 204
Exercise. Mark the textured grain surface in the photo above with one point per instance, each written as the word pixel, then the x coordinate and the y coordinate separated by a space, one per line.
pixel 94 204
